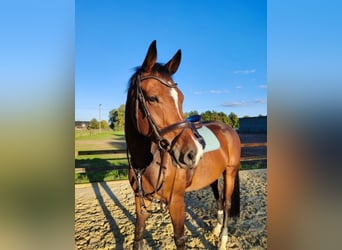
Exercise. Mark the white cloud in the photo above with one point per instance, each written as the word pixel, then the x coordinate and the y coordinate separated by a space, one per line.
pixel 219 91
pixel 244 103
pixel 212 91
pixel 245 72
pixel 260 101
pixel 235 104
pixel 263 86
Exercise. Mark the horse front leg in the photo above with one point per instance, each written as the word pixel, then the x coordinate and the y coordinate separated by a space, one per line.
pixel 140 223
pixel 177 213
pixel 231 201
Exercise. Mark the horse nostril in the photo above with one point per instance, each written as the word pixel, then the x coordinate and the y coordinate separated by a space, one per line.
pixel 188 159
pixel 191 156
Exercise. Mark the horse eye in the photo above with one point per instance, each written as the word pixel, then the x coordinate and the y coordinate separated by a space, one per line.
pixel 153 99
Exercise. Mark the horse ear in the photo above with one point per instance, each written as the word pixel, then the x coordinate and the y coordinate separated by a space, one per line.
pixel 173 64
pixel 151 58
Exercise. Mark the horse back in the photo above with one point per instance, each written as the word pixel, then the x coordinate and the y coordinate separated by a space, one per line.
pixel 213 163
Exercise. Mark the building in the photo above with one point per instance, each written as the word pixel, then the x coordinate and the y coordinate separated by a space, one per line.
pixel 253 124
pixel 82 124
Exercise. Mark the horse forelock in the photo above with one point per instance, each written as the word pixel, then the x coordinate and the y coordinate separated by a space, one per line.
pixel 158 70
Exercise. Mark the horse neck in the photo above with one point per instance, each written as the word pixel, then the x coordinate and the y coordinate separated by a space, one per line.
pixel 139 146
pixel 142 150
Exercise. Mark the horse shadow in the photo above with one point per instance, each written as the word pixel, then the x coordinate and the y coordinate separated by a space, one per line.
pixel 94 172
pixel 98 184
pixel 115 229
pixel 197 220
pixel 201 207
pixel 151 243
pixel 117 144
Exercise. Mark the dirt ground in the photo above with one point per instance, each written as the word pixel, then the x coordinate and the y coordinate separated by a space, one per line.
pixel 105 215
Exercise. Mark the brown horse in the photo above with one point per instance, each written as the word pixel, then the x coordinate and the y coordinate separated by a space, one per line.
pixel 166 152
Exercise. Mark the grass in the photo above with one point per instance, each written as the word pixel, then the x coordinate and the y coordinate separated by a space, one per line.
pixel 94 134
pixel 99 168
pixel 253 165
pixel 110 175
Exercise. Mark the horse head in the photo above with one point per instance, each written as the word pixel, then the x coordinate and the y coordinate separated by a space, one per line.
pixel 154 104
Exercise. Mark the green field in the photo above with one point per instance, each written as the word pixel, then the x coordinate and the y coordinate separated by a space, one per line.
pixel 96 135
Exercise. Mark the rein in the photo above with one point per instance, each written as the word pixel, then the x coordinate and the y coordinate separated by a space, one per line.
pixel 151 196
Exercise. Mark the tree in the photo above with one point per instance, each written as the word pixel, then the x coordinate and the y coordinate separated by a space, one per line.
pixel 117 118
pixel 191 113
pixel 94 124
pixel 207 116
pixel 113 117
pixel 231 120
pixel 214 116
pixel 121 116
pixel 104 124
pixel 224 118
pixel 234 120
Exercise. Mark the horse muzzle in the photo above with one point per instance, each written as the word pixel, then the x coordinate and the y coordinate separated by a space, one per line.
pixel 187 155
pixel 186 149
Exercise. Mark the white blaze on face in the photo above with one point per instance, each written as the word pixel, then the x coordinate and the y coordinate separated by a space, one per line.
pixel 199 150
pixel 174 95
pixel 199 147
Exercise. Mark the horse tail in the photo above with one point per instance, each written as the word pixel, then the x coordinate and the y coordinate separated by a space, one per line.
pixel 235 200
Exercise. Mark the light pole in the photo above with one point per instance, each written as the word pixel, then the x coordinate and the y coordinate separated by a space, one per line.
pixel 100 118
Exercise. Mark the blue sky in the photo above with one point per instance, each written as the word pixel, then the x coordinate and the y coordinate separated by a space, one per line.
pixel 304 89
pixel 223 47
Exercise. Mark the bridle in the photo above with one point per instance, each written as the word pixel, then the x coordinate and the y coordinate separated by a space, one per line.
pixel 157 134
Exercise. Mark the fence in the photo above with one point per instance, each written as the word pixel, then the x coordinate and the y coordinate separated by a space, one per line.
pixel 254 157
pixel 123 151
